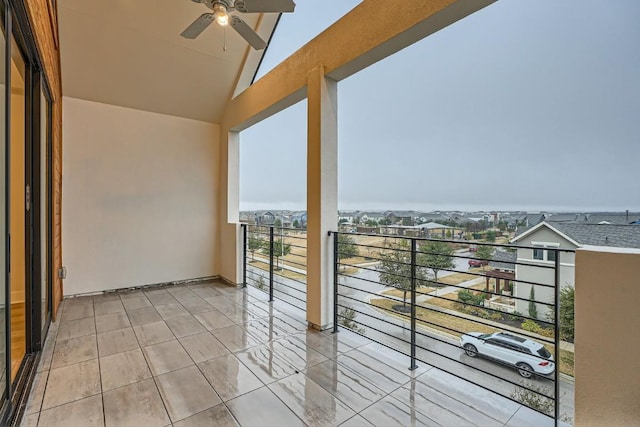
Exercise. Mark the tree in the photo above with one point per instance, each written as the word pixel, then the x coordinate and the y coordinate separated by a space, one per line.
pixel 277 223
pixel 346 247
pixel 296 223
pixel 533 309
pixel 280 249
pixel 485 253
pixel 491 236
pixel 436 256
pixel 407 221
pixel 254 244
pixel 371 223
pixel 565 323
pixel 395 268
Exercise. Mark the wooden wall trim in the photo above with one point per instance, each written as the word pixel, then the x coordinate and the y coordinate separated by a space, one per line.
pixel 44 24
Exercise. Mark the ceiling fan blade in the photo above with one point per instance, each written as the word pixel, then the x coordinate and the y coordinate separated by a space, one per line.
pixel 198 26
pixel 247 33
pixel 264 6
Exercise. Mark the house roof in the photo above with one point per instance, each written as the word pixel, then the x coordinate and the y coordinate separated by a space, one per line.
pixel 432 226
pixel 504 260
pixel 615 235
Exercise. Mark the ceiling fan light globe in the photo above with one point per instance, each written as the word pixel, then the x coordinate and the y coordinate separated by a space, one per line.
pixel 220 15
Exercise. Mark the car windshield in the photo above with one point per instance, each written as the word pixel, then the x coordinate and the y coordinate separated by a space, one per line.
pixel 544 352
pixel 484 336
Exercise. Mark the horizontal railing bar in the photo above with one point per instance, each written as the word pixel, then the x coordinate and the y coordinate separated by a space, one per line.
pixel 457 242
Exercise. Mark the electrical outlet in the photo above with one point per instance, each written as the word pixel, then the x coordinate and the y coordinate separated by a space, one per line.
pixel 62 273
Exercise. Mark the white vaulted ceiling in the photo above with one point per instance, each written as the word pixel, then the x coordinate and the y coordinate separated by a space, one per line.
pixel 130 53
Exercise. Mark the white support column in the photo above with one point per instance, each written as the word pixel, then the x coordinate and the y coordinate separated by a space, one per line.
pixel 322 194
pixel 229 246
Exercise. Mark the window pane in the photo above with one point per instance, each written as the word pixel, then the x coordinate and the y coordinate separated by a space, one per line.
pixel 538 254
pixel 551 255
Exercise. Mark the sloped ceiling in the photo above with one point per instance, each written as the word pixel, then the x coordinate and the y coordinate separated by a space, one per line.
pixel 130 53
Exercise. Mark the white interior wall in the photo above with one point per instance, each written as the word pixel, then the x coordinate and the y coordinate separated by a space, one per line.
pixel 139 197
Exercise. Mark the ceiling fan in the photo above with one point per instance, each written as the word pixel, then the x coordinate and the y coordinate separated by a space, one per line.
pixel 221 10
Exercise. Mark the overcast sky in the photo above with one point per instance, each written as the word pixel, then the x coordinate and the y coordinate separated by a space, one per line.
pixel 531 105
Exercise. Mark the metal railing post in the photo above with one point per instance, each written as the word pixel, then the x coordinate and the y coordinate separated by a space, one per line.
pixel 270 264
pixel 335 282
pixel 556 408
pixel 413 304
pixel 244 255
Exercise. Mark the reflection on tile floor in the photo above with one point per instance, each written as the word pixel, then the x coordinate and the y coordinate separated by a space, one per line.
pixel 211 354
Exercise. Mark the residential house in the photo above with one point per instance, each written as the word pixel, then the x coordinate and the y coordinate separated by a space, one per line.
pixel 546 237
pixel 265 218
pixel 299 219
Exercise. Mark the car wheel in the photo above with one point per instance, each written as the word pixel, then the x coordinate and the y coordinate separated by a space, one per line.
pixel 470 350
pixel 524 370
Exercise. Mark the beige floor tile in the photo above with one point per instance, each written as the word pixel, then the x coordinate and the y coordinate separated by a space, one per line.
pixel 202 347
pixel 153 333
pixel 213 320
pixel 356 421
pixel 186 392
pixel 108 307
pixel 262 408
pixel 143 316
pixel 170 310
pixel 76 312
pixel 76 328
pixel 112 322
pixel 106 296
pixel 122 369
pixel 30 420
pixel 135 405
pixel 184 325
pixel 313 404
pixel 235 338
pixel 196 305
pixel 113 342
pixel 86 412
pixel 71 383
pixel 265 363
pixel 349 387
pixel 74 350
pixel 34 403
pixel 218 416
pixel 390 411
pixel 131 293
pixel 166 357
pixel 131 304
pixel 161 298
pixel 229 377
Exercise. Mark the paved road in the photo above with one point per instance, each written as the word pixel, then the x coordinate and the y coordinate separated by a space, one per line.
pixel 437 349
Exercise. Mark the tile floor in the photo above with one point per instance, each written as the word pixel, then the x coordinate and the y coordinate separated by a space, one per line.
pixel 210 354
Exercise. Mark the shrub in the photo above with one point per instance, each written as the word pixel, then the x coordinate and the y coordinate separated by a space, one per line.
pixel 531 326
pixel 467 297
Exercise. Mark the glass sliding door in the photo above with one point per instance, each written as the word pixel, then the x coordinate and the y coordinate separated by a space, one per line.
pixel 45 208
pixel 3 214
pixel 17 198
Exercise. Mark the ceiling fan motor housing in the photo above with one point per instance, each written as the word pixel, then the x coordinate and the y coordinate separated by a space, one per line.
pixel 228 4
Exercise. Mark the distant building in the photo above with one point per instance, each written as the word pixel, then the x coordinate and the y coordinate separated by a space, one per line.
pixel 560 235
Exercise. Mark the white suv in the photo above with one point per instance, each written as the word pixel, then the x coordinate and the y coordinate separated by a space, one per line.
pixel 528 356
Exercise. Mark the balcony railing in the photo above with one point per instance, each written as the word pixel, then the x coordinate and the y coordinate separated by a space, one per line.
pixel 422 297
pixel 276 263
